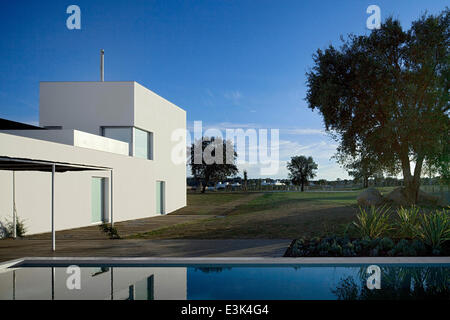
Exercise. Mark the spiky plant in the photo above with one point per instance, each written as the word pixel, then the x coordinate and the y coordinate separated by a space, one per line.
pixel 408 221
pixel 372 223
pixel 434 228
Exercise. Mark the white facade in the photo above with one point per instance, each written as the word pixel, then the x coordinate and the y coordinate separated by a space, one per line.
pixel 76 115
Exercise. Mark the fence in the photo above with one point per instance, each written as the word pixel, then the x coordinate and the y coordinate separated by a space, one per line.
pixel 442 191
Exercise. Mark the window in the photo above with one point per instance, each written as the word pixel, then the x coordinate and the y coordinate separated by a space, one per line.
pixel 143 144
pixel 120 133
pixel 160 196
pixel 140 142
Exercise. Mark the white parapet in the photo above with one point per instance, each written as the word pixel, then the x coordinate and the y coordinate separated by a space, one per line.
pixel 92 141
pixel 74 138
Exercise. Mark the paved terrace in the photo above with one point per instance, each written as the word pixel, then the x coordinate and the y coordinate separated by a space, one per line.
pixel 14 249
pixel 91 242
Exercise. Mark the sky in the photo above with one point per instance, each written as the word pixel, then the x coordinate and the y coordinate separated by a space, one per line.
pixel 229 64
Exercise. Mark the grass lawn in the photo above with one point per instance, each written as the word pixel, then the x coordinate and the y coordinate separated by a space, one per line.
pixel 212 203
pixel 262 215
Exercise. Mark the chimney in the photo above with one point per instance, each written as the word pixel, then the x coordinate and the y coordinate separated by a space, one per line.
pixel 102 65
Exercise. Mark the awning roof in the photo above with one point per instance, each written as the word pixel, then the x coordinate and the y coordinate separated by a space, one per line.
pixel 23 164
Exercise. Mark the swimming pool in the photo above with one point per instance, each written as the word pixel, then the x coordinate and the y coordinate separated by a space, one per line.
pixel 187 279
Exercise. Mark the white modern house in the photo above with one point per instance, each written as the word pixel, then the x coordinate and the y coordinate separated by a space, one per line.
pixel 103 152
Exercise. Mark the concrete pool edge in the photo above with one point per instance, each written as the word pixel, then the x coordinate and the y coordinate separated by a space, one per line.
pixel 164 261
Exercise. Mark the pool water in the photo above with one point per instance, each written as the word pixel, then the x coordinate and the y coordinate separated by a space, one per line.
pixel 234 282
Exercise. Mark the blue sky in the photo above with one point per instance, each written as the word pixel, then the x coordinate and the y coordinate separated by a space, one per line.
pixel 227 63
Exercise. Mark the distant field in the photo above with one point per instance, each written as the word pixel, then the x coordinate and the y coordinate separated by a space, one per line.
pixel 283 200
pixel 262 215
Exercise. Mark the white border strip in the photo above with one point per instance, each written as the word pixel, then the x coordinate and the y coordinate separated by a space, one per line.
pixel 130 261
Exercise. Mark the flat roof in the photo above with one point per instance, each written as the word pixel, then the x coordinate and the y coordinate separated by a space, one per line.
pixel 24 164
pixel 6 124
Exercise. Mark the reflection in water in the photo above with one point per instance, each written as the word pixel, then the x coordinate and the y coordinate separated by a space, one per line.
pixel 225 282
pixel 100 283
pixel 398 283
pixel 211 269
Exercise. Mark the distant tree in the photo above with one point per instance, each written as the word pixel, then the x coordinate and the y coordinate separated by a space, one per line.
pixel 245 180
pixel 301 170
pixel 387 93
pixel 211 160
pixel 322 182
pixel 362 169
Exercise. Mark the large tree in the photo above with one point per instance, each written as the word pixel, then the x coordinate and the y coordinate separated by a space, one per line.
pixel 387 94
pixel 211 160
pixel 301 170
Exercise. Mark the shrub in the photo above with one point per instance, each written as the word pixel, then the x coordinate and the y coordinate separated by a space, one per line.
pixel 344 247
pixel 373 223
pixel 110 230
pixel 408 221
pixel 403 248
pixel 386 244
pixel 20 228
pixel 434 228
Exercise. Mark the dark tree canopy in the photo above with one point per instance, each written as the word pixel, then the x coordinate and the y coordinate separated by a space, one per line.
pixel 386 95
pixel 212 159
pixel 301 170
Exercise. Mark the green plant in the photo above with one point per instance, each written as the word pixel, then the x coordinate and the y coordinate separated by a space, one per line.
pixel 404 248
pixel 344 247
pixel 386 244
pixel 110 230
pixel 408 221
pixel 434 228
pixel 20 228
pixel 372 224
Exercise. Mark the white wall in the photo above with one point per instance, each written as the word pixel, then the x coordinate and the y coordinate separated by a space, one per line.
pixel 86 106
pixel 156 114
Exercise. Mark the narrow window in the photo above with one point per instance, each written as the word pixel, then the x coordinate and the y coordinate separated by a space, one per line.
pixel 143 144
pixel 160 205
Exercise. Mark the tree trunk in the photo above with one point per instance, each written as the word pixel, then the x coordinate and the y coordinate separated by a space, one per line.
pixel 412 182
pixel 412 190
pixel 365 182
pixel 204 188
pixel 303 184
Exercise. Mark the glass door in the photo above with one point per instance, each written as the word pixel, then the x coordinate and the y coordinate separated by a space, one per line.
pixel 97 199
